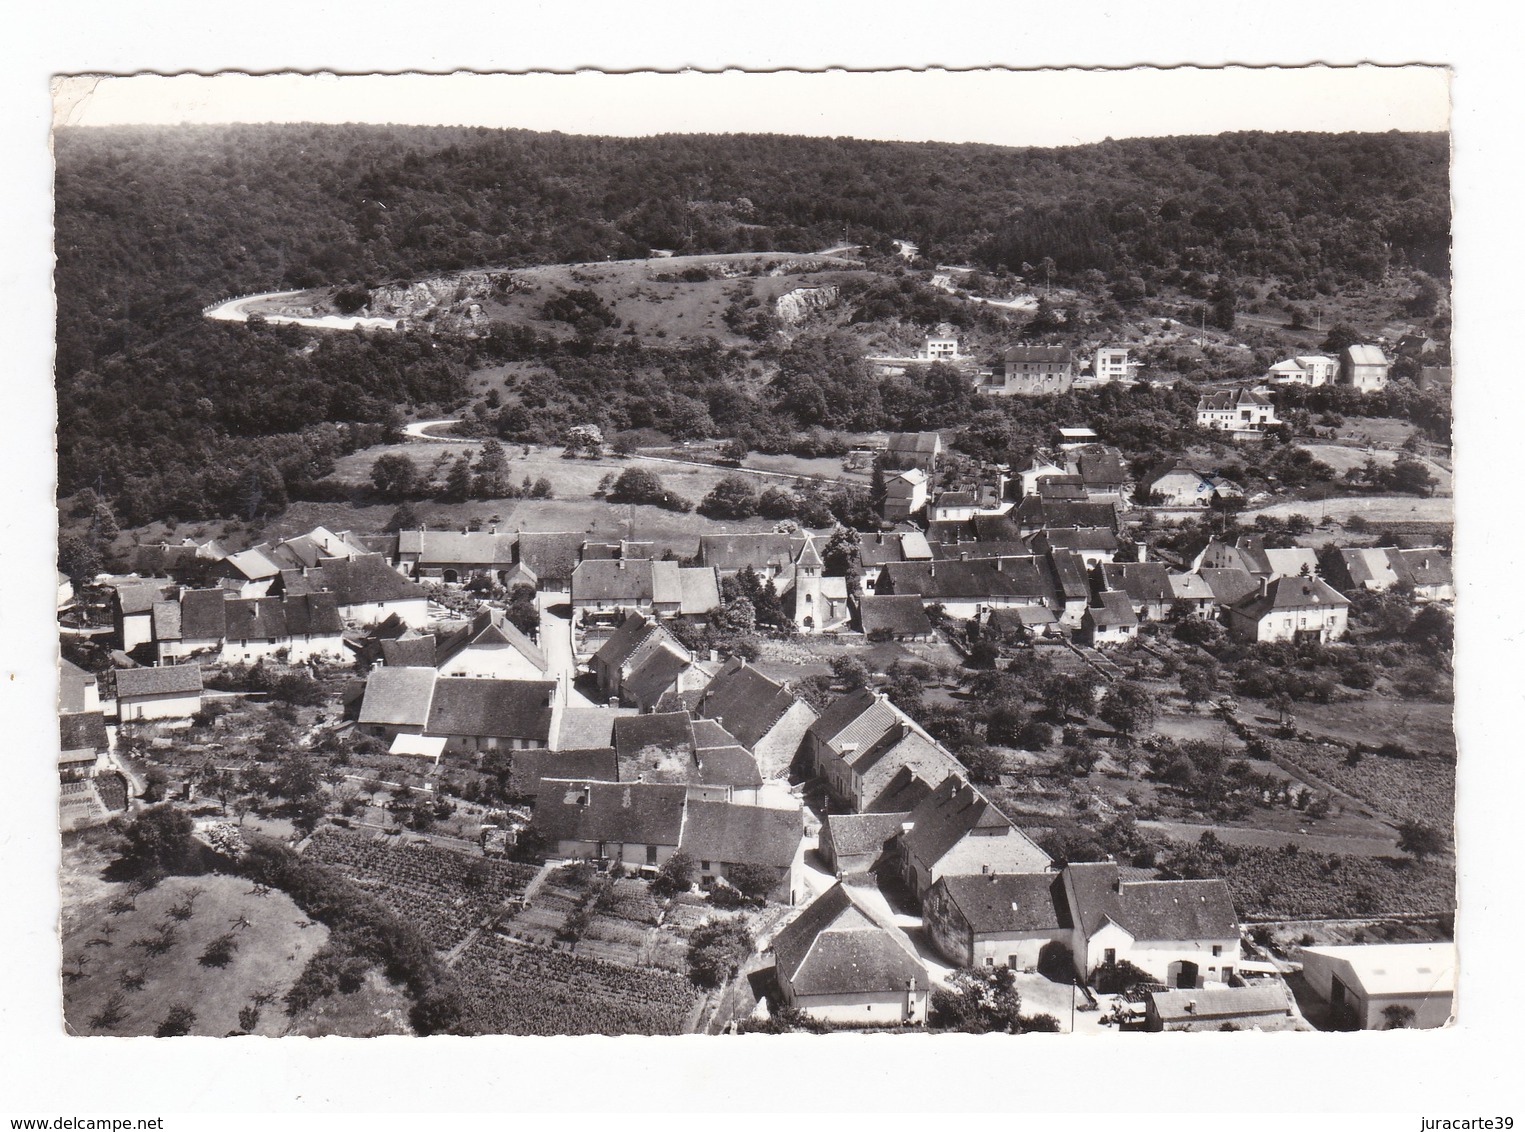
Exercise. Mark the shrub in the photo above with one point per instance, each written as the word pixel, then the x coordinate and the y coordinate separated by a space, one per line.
pixel 177 1023
pixel 716 949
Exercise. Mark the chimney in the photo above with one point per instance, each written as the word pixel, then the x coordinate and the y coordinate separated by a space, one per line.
pixel 614 701
pixel 621 561
pixel 1265 586
pixel 1143 552
pixel 715 656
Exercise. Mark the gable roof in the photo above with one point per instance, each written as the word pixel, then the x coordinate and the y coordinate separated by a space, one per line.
pixel 410 652
pixel 1223 400
pixel 82 731
pixel 72 682
pixel 1150 910
pixel 641 813
pixel 656 671
pixel 398 697
pixel 170 679
pixel 1038 354
pixel 1396 968
pixel 855 834
pixel 139 597
pixel 1365 355
pixel 742 835
pixel 699 589
pixel 588 728
pixel 1422 566
pixel 353 581
pixel 735 552
pixel 745 702
pixel 1101 467
pixel 1141 581
pixel 883 766
pixel 457 548
pixel 956 580
pixel 1034 512
pixel 1220 1001
pixel 1190 587
pixel 1285 594
pixel 487 629
pixel 1228 583
pixel 253 564
pixel 839 945
pixel 915 443
pixel 1111 609
pixel 551 555
pixel 529 767
pixel 506 709
pixel 901 614
pixel 955 810
pixel 1009 902
pixel 669 733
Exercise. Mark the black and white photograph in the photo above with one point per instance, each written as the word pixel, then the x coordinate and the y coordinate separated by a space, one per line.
pixel 664 585
pixel 522 582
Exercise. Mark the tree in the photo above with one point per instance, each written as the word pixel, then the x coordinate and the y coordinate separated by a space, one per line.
pixel 676 875
pixel 1420 840
pixel 79 558
pixel 733 497
pixel 405 518
pixel 588 439
pixel 755 881
pixel 1128 707
pixel 458 481
pixel 984 763
pixel 978 1000
pixel 1071 693
pixel 850 672
pixel 1198 682
pixel 394 476
pixel 491 473
pixel 1398 1016
pixel 716 950
pixel 177 1022
pixel 777 503
pixel 158 840
pixel 637 485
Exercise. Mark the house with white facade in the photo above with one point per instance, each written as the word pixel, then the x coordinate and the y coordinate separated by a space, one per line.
pixel 1110 363
pixel 1185 933
pixel 842 960
pixel 1291 609
pixel 1239 412
pixel 367 590
pixel 996 919
pixel 905 493
pixel 956 831
pixel 1360 982
pixel 170 691
pixel 1365 367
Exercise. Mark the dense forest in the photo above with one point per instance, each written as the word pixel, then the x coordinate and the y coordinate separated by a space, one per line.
pixel 163 413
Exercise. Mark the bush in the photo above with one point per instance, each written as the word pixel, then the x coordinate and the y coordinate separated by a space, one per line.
pixel 716 950
pixel 676 875
pixel 177 1023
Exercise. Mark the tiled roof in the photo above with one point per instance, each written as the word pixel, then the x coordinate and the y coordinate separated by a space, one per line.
pixel 614 579
pixel 1111 608
pixel 902 751
pixel 1228 584
pixel 955 810
pixel 171 679
pixel 733 552
pixel 398 697
pixel 410 652
pixel 746 702
pixel 72 682
pixel 855 834
pixel 951 580
pixel 458 548
pixel 1422 566
pixel 918 443
pixel 640 813
pixel 742 835
pixel 654 673
pixel 1033 512
pixel 1009 902
pixel 1048 354
pixel 354 581
pixel 139 597
pixel 167 620
pixel 586 728
pixel 1221 1001
pixel 1153 910
pixel 253 564
pixel 1178 910
pixel 838 945
pixel 529 767
pixel 1141 581
pixel 901 614
pixel 1289 594
pixel 506 709
pixel 668 731
pixel 700 589
pixel 551 555
pixel 83 730
pixel 1190 587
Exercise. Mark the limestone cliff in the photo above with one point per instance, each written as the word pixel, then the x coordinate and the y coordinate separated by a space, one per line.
pixel 796 306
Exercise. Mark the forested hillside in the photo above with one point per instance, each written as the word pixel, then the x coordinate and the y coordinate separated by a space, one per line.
pixel 161 411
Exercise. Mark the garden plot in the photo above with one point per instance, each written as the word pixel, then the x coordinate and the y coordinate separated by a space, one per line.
pixel 516 988
pixel 445 894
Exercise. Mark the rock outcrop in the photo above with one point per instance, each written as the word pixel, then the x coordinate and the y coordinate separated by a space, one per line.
pixel 796 306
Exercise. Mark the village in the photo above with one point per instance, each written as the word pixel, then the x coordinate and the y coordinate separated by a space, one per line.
pixel 1067 747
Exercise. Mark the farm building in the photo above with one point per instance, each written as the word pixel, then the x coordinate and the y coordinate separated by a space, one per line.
pixel 839 961
pixel 1291 609
pixel 994 920
pixel 857 844
pixel 1260 1006
pixel 1361 982
pixel 637 824
pixel 895 617
pixel 765 716
pixel 1109 620
pixel 168 692
pixel 720 836
pixel 955 831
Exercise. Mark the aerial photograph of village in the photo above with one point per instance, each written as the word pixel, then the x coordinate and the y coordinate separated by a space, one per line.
pixel 515 582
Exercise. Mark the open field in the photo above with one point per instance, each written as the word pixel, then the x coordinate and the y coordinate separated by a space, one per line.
pixel 1343 457
pixel 1372 508
pixel 271 953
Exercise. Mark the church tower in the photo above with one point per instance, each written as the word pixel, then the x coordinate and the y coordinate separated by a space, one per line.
pixel 808 610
